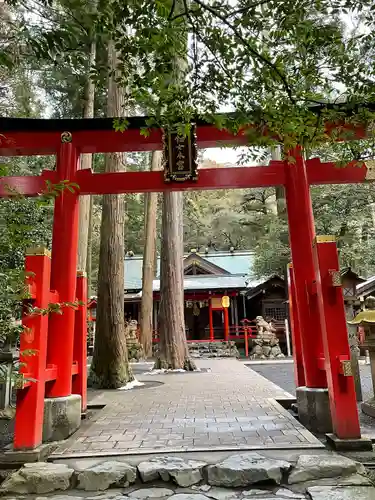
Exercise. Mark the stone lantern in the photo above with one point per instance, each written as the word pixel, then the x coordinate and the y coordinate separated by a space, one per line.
pixel 350 280
pixel 366 319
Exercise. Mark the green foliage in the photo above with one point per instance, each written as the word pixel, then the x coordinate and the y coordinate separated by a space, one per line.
pixel 342 211
pixel 224 219
pixel 272 252
pixel 275 63
pixel 24 223
pixel 287 66
pixel 120 124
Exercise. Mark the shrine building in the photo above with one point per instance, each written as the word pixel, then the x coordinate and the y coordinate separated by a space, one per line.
pixel 209 276
pixel 365 288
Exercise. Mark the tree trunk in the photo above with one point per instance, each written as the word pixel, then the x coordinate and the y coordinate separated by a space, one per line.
pixel 173 347
pixel 148 272
pixel 110 368
pixel 89 250
pixel 372 209
pixel 173 353
pixel 279 190
pixel 280 201
pixel 86 162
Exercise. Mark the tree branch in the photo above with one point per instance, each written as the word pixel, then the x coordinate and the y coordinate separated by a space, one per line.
pixel 172 9
pixel 249 47
pixel 177 16
pixel 201 39
pixel 248 7
pixel 67 11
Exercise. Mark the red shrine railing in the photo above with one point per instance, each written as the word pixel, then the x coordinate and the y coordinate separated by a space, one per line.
pixel 236 333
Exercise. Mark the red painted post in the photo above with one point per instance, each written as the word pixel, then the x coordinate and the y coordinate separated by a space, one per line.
pixel 246 333
pixel 30 400
pixel 80 341
pixel 63 274
pixel 341 386
pixel 301 235
pixel 299 374
pixel 226 324
pixel 212 336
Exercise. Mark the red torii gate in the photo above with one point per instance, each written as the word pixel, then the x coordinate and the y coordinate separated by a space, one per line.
pixel 320 342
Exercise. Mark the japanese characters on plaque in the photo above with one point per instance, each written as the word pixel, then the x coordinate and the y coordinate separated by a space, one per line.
pixel 180 156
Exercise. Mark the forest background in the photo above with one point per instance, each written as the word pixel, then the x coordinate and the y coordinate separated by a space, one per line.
pixel 58 59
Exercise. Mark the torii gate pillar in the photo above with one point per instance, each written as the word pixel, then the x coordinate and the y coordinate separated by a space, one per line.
pixel 64 403
pixel 64 273
pixel 312 398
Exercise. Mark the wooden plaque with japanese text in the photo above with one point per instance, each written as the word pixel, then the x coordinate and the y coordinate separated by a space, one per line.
pixel 180 156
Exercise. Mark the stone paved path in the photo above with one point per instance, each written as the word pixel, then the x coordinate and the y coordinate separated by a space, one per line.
pixel 230 407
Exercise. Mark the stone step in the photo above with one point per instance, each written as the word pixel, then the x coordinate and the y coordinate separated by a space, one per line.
pixel 237 477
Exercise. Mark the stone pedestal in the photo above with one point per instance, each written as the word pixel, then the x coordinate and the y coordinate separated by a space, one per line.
pixel 213 350
pixel 62 417
pixel 360 444
pixel 313 409
pixel 368 407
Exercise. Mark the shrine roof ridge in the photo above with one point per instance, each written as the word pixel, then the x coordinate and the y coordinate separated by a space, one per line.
pixel 201 253
pixel 366 286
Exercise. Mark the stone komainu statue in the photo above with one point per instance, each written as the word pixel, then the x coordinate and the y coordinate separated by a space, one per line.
pixel 135 349
pixel 266 343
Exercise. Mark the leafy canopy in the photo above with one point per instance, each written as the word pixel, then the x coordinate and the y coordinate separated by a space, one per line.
pixel 272 62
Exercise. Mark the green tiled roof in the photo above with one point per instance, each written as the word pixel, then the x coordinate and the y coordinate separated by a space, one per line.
pixel 236 263
pixel 209 282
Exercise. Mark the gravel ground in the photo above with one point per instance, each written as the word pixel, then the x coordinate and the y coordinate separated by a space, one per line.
pixel 282 375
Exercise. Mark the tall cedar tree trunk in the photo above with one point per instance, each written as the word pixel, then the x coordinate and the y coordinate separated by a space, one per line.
pixel 110 368
pixel 173 347
pixel 148 271
pixel 86 162
pixel 89 249
pixel 173 352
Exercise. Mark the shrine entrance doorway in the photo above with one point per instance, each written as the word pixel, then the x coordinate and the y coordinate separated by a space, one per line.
pixel 197 321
